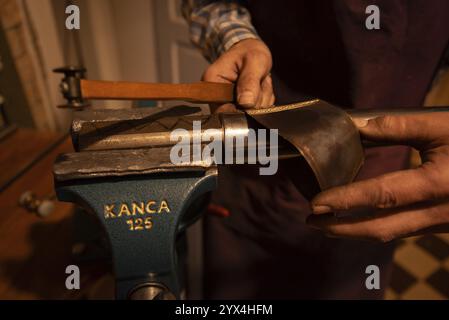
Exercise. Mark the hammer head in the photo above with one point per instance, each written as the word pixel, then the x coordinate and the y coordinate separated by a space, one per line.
pixel 71 87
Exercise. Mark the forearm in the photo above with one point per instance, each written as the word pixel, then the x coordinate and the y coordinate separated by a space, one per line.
pixel 215 26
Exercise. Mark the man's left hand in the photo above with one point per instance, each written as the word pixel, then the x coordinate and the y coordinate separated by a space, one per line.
pixel 402 203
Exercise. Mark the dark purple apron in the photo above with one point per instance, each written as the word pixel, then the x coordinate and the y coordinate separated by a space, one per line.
pixel 322 49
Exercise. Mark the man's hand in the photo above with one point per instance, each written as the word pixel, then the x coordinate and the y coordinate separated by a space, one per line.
pixel 248 64
pixel 406 202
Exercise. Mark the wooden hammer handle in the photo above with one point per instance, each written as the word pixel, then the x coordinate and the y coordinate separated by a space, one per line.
pixel 199 92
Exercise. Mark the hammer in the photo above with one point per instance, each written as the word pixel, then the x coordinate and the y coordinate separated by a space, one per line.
pixel 77 90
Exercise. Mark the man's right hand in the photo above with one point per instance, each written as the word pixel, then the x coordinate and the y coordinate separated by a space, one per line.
pixel 247 64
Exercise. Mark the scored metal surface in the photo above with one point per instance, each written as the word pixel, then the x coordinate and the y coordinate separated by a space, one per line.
pixel 324 134
pixel 92 164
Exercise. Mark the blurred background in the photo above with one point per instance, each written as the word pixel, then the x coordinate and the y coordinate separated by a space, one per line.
pixel 141 40
pixel 138 40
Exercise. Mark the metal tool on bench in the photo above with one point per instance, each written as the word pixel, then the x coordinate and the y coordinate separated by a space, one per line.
pixel 122 170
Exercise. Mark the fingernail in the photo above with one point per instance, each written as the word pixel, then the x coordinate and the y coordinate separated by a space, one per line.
pixel 321 209
pixel 246 99
pixel 360 123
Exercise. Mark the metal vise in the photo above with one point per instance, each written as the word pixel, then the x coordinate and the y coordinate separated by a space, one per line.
pixel 144 202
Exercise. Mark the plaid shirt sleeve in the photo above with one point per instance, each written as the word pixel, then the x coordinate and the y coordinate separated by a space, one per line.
pixel 215 26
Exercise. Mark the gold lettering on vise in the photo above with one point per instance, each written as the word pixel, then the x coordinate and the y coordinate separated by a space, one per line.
pixel 108 213
pixel 138 208
pixel 124 210
pixel 142 211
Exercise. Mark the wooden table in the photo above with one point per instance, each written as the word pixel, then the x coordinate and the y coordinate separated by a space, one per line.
pixel 34 252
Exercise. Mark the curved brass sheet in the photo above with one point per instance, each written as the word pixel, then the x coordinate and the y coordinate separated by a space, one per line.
pixel 325 135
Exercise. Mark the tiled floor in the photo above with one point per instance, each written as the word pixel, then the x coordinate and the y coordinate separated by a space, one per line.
pixel 421 269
